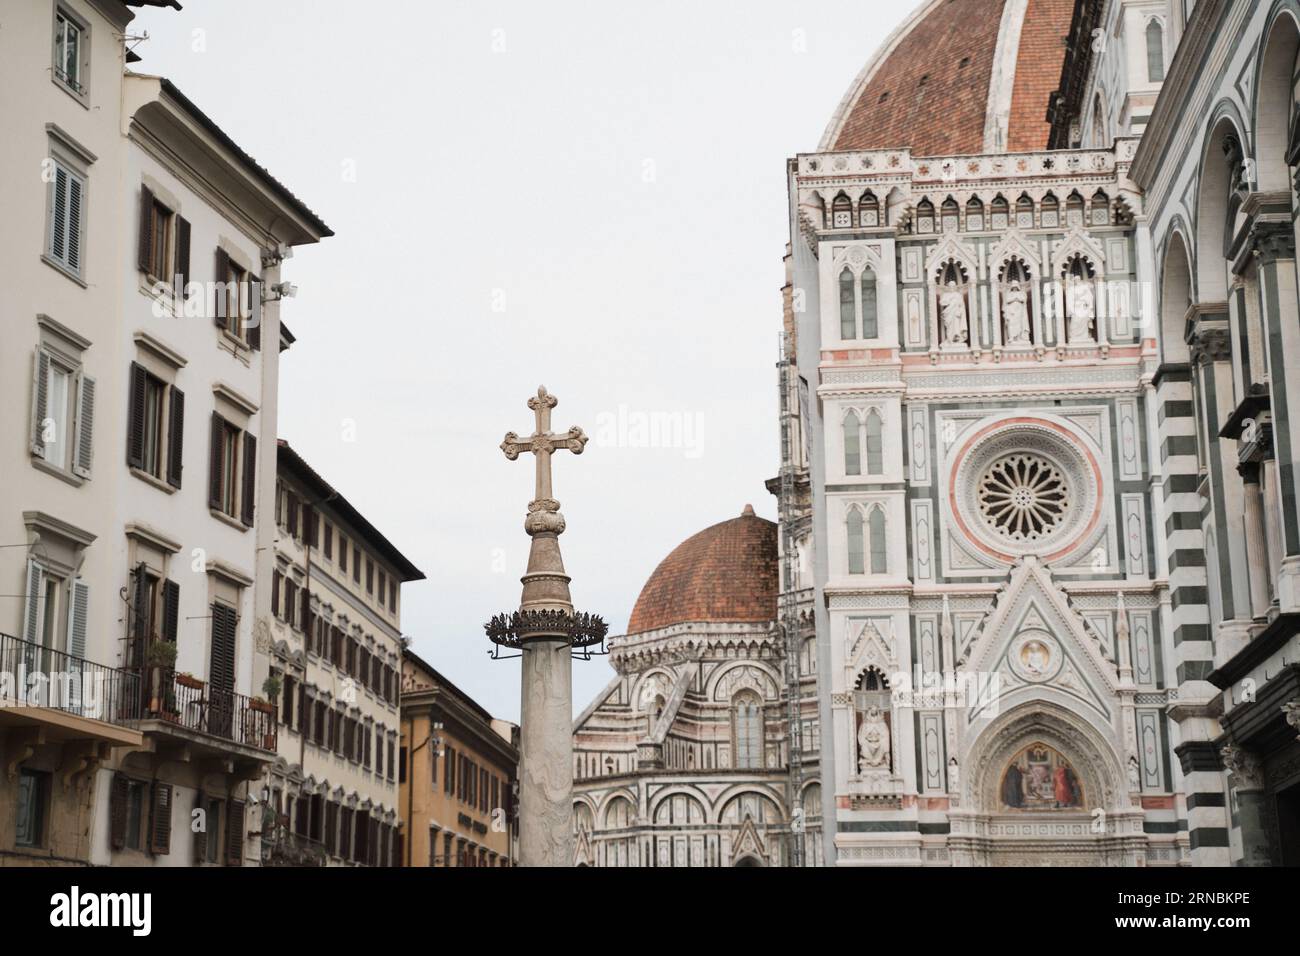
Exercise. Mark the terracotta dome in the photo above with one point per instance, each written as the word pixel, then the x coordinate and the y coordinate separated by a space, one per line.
pixel 726 573
pixel 959 77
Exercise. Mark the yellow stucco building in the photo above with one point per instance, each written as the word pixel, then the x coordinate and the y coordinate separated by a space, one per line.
pixel 456 775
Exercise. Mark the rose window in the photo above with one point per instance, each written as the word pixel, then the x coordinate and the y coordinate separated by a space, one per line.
pixel 1023 497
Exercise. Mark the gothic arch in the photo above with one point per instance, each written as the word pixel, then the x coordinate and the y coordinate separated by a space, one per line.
pixel 1274 105
pixel 1092 756
pixel 693 796
pixel 728 798
pixel 754 675
pixel 1212 205
pixel 1175 297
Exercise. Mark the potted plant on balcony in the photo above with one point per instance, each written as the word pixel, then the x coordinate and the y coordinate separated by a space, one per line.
pixel 186 679
pixel 160 658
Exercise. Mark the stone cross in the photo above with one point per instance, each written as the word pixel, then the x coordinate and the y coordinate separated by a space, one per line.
pixel 542 443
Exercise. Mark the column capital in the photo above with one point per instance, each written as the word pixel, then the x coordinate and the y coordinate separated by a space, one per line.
pixel 1272 241
pixel 1244 768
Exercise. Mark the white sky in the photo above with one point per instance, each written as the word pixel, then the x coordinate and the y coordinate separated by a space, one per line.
pixel 589 196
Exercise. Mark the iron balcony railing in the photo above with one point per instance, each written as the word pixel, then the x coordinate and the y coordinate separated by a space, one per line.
pixel 282 847
pixel 194 705
pixel 32 675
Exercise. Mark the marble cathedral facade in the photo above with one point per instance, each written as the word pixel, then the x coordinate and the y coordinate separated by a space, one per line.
pixel 1046 339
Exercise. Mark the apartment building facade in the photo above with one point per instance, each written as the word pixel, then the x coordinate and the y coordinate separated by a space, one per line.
pixel 335 641
pixel 457 771
pixel 144 351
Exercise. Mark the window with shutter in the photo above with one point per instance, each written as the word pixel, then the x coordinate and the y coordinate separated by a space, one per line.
pixel 175 436
pixel 181 262
pixel 275 593
pixel 66 222
pixel 235 834
pixel 83 445
pixel 221 671
pixel 40 401
pixel 117 811
pixel 248 496
pixel 253 295
pixel 171 594
pixel 356 565
pixel 135 426
pixel 216 447
pixel 160 828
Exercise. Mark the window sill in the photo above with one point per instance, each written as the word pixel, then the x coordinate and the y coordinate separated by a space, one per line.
pixel 163 293
pixel 82 97
pixel 58 266
pixel 236 346
pixel 154 480
pixel 40 464
pixel 226 519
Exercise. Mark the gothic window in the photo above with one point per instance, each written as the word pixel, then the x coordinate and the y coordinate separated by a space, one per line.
pixel 747 719
pixel 848 321
pixel 852 447
pixel 856 563
pixel 974 214
pixel 1100 208
pixel 1155 52
pixel 1074 210
pixel 1051 212
pixel 1001 212
pixel 879 564
pixel 951 214
pixel 842 212
pixel 869 209
pixel 868 303
pixel 925 216
pixel 1025 212
pixel 875 463
pixel 872 679
pixel 808 656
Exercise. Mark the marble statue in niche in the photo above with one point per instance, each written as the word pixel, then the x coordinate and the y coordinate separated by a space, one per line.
pixel 1015 314
pixel 873 741
pixel 952 312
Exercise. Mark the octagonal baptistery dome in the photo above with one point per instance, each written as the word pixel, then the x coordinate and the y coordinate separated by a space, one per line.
pixel 726 573
pixel 958 77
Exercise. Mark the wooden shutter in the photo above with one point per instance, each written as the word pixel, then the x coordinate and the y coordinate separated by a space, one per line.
pixel 181 272
pixel 140 609
pixel 75 187
pixel 117 800
pixel 83 444
pixel 308 524
pixel 306 618
pixel 175 437
pixel 254 312
pixel 223 276
pixel 171 594
pixel 248 497
pixel 78 611
pixel 160 819
pixel 40 400
pixel 235 834
pixel 135 417
pixel 291 516
pixel 275 593
pixel 144 251
pixel 222 670
pixel 214 463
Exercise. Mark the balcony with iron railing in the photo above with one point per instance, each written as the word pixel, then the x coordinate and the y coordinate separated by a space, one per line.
pixel 180 705
pixel 281 846
pixel 50 695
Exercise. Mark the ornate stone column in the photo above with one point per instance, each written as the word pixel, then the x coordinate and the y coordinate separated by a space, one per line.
pixel 1256 543
pixel 544 630
pixel 1246 776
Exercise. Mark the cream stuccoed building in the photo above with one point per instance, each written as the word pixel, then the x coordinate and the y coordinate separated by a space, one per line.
pixel 142 352
pixel 1043 312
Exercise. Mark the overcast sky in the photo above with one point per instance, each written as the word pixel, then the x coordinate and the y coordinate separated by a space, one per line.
pixel 589 196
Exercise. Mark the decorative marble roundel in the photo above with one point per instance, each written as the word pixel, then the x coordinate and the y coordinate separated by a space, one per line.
pixel 1023 497
pixel 1025 486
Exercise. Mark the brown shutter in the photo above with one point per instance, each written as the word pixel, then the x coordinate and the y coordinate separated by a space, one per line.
pixel 160 827
pixel 235 834
pixel 223 276
pixel 214 464
pixel 249 496
pixel 175 437
pixel 305 617
pixel 275 593
pixel 308 524
pixel 255 312
pixel 117 811
pixel 291 516
pixel 144 251
pixel 181 273
pixel 140 612
pixel 171 610
pixel 222 667
pixel 135 417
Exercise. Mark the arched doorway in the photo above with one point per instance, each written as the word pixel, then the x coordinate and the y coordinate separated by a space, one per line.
pixel 1046 790
pixel 748 861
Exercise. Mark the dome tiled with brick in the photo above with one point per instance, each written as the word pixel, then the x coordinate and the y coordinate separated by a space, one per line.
pixel 959 77
pixel 725 573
